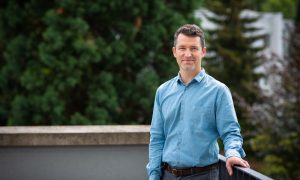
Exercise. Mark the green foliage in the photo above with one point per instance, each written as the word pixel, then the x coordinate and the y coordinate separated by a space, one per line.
pixel 278 151
pixel 287 7
pixel 274 166
pixel 85 62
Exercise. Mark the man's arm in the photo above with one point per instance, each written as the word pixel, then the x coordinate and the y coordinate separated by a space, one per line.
pixel 229 130
pixel 157 140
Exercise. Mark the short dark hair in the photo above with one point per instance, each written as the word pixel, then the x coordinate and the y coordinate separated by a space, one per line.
pixel 190 30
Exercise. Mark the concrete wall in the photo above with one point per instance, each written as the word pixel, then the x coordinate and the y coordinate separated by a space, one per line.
pixel 83 153
pixel 74 152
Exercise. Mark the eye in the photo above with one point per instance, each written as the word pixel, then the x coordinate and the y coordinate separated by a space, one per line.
pixel 181 48
pixel 194 49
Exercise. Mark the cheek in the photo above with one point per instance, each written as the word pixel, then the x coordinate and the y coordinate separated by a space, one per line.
pixel 181 55
pixel 199 56
pixel 177 56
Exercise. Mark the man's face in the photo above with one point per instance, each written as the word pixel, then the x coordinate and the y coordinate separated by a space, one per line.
pixel 188 53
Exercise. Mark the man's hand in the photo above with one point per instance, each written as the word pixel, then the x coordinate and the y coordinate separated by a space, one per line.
pixel 230 162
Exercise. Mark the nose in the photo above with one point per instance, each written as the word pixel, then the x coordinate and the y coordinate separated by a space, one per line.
pixel 188 53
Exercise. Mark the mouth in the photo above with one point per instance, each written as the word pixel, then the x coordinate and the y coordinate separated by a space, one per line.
pixel 187 60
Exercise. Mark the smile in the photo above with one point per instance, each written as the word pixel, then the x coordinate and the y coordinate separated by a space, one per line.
pixel 188 60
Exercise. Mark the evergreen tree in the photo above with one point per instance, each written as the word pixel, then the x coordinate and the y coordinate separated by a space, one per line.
pixel 85 62
pixel 233 58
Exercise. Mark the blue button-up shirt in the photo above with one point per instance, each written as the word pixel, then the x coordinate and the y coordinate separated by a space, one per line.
pixel 187 121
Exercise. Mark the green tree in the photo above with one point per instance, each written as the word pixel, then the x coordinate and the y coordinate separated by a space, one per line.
pixel 85 62
pixel 234 58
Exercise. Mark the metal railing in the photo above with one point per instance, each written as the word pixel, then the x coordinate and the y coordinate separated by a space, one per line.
pixel 239 173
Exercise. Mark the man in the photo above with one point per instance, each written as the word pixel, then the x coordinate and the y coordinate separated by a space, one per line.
pixel 191 111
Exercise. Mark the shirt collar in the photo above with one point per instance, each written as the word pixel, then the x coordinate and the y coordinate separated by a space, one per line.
pixel 197 78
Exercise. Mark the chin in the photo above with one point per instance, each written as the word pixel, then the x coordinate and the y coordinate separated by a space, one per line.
pixel 189 69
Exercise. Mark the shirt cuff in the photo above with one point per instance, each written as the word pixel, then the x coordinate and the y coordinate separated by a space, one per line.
pixel 232 153
pixel 154 177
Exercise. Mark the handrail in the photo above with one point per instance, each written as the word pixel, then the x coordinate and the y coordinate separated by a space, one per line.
pixel 239 173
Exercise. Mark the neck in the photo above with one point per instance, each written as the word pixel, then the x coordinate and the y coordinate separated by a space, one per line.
pixel 187 76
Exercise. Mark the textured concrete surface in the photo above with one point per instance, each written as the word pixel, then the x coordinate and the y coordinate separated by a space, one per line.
pixel 74 135
pixel 102 162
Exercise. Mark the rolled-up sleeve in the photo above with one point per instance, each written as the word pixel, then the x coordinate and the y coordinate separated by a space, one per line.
pixel 228 126
pixel 157 140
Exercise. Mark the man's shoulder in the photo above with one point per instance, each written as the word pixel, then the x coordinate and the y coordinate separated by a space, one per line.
pixel 211 81
pixel 167 84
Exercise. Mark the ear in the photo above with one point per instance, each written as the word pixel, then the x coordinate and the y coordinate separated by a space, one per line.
pixel 174 51
pixel 203 51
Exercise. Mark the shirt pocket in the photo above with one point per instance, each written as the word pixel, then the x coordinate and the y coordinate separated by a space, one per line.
pixel 202 117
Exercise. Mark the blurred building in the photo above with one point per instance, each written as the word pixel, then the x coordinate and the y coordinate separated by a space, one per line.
pixel 276 31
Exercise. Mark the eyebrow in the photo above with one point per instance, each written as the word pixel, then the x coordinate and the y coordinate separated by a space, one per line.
pixel 188 46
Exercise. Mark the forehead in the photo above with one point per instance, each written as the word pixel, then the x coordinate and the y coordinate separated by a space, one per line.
pixel 183 40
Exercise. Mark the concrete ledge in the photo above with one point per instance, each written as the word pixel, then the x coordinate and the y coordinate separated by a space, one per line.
pixel 74 135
